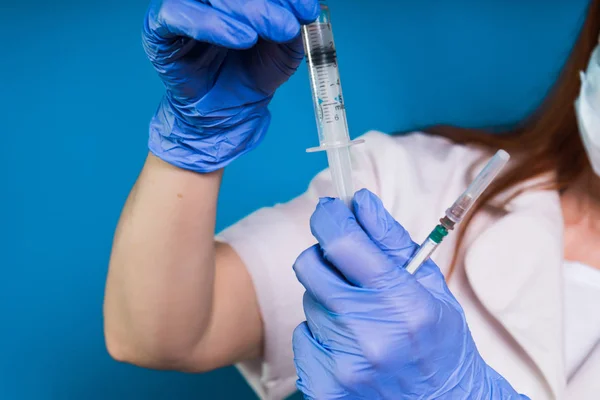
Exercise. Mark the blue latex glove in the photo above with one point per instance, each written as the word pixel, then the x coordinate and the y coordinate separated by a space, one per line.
pixel 221 62
pixel 374 331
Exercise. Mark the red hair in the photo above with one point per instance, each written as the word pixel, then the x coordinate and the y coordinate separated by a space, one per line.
pixel 547 142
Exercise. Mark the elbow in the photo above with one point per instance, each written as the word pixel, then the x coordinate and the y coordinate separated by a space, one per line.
pixel 158 356
pixel 123 352
pixel 152 357
pixel 118 351
pixel 155 344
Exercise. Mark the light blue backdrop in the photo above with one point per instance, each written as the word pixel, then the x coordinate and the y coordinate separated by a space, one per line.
pixel 76 94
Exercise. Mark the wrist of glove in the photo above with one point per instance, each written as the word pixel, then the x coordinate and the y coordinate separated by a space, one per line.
pixel 474 379
pixel 204 140
pixel 374 331
pixel 499 388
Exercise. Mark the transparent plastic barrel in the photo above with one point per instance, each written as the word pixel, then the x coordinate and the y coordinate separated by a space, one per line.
pixel 321 58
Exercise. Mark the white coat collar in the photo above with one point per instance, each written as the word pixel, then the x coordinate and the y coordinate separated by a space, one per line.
pixel 527 265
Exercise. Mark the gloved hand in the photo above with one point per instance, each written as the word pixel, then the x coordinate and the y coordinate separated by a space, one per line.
pixel 374 331
pixel 220 61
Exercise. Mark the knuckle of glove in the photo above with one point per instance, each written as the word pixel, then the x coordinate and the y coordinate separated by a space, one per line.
pixel 377 353
pixel 153 31
pixel 424 320
pixel 347 376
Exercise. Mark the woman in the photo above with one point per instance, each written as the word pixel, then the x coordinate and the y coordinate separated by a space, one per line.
pixel 178 299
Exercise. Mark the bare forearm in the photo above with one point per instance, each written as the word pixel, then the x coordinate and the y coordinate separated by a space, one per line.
pixel 160 285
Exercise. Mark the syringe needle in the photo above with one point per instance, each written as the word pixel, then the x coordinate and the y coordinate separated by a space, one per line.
pixel 458 210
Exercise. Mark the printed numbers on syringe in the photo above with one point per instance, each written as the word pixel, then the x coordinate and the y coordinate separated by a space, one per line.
pixel 331 102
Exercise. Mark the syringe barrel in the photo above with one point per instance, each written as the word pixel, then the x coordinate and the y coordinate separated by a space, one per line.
pixel 464 203
pixel 324 75
pixel 487 174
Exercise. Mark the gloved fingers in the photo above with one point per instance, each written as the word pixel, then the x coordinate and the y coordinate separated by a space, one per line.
pixel 320 279
pixel 281 59
pixel 392 238
pixel 314 366
pixel 355 329
pixel 382 228
pixel 323 325
pixel 270 20
pixel 292 50
pixel 305 10
pixel 296 46
pixel 431 278
pixel 346 245
pixel 170 19
pixel 305 360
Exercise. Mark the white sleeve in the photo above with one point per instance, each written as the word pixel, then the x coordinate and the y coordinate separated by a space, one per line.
pixel 268 241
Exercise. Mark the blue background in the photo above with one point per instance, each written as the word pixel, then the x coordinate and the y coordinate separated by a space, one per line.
pixel 76 95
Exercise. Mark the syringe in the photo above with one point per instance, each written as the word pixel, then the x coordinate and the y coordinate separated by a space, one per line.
pixel 459 209
pixel 330 111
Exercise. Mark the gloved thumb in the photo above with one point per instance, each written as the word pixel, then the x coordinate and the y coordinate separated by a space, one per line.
pixel 346 246
pixel 382 228
pixel 393 239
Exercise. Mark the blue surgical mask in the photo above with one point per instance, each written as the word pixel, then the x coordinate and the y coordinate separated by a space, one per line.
pixel 587 107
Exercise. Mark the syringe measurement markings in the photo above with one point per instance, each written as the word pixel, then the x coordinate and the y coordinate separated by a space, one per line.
pixel 313 33
pixel 321 48
pixel 327 110
pixel 322 76
pixel 322 73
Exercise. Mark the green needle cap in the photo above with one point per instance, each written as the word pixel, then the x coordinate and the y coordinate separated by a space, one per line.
pixel 438 234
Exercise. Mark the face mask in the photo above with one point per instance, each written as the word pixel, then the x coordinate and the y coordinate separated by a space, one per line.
pixel 587 108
